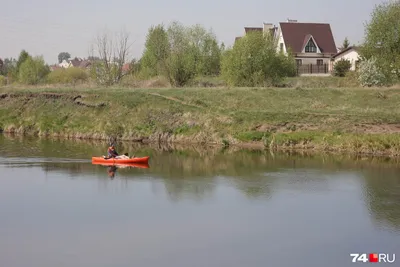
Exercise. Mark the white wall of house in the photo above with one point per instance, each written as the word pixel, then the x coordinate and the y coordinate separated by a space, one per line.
pixel 311 60
pixel 64 64
pixel 281 41
pixel 350 55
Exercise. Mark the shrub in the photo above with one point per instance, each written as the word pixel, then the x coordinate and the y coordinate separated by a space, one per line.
pixel 67 76
pixel 181 63
pixel 180 53
pixel 33 71
pixel 381 39
pixel 370 74
pixel 342 67
pixel 3 80
pixel 254 61
pixel 105 74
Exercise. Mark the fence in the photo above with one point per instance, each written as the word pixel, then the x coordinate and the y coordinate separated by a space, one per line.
pixel 312 69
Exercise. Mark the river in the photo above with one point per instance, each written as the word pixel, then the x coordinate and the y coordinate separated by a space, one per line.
pixel 192 207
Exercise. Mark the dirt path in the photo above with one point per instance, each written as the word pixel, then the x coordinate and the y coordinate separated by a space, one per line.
pixel 175 100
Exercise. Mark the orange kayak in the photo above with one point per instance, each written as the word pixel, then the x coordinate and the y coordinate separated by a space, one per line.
pixel 142 160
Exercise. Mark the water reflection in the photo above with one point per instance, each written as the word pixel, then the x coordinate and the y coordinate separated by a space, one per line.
pixel 203 206
pixel 383 196
pixel 196 172
pixel 111 171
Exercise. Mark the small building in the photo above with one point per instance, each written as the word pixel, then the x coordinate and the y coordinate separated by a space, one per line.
pixel 65 64
pixel 312 45
pixel 76 62
pixel 54 67
pixel 350 53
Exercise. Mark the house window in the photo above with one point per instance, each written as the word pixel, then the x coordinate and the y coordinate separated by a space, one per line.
pixel 281 46
pixel 310 47
pixel 298 62
pixel 320 62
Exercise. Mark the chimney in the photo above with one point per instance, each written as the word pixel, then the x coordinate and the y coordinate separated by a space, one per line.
pixel 267 27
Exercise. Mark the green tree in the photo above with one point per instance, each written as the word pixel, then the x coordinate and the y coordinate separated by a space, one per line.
pixel 342 67
pixel 254 61
pixel 113 53
pixel 181 63
pixel 382 39
pixel 157 50
pixel 9 68
pixel 23 56
pixel 346 43
pixel 33 71
pixel 207 50
pixel 63 56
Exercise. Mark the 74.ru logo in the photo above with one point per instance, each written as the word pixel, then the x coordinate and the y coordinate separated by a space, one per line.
pixel 373 257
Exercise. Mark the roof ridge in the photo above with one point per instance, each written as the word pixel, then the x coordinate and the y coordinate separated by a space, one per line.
pixel 322 23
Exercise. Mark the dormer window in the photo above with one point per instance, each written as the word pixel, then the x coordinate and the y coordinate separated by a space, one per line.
pixel 311 47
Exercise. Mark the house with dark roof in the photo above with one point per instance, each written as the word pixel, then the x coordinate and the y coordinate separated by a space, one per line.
pixel 76 62
pixel 312 45
pixel 351 54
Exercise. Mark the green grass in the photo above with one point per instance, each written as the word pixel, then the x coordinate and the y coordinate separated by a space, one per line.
pixel 356 120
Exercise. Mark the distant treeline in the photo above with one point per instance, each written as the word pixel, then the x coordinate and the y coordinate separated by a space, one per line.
pixel 181 53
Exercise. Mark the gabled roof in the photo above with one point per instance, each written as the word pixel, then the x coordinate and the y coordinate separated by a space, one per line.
pixel 355 48
pixel 295 33
pixel 76 62
pixel 85 63
pixel 307 39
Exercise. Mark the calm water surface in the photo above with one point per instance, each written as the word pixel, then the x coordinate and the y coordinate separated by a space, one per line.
pixel 192 207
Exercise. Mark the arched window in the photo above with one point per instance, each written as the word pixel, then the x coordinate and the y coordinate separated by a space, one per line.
pixel 311 47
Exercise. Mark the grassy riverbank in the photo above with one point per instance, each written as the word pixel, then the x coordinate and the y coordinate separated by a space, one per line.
pixel 351 120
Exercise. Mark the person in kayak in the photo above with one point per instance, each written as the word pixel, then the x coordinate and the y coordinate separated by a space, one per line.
pixel 112 153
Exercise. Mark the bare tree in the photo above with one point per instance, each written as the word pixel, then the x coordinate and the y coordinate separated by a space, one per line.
pixel 113 54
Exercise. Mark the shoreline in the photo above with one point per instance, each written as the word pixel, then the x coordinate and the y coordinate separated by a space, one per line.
pixel 258 146
pixel 352 121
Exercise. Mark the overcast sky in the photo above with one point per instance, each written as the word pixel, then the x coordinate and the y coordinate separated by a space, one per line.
pixel 47 27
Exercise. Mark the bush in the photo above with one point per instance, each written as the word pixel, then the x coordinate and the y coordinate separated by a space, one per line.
pixel 381 40
pixel 180 53
pixel 370 74
pixel 103 74
pixel 33 71
pixel 68 76
pixel 254 61
pixel 342 67
pixel 181 62
pixel 3 80
pixel 181 67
